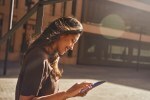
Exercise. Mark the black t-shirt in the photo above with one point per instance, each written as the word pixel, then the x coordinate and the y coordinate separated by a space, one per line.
pixel 36 77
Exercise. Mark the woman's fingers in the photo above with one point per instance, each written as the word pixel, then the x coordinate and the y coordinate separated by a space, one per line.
pixel 76 89
pixel 85 87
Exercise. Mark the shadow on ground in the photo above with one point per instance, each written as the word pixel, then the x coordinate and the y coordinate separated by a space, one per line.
pixel 122 76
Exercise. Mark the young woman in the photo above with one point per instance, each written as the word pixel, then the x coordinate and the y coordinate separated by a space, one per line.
pixel 39 76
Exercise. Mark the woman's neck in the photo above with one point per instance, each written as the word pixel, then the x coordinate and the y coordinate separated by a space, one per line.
pixel 51 49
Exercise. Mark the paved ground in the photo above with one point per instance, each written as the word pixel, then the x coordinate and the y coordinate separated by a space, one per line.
pixel 122 83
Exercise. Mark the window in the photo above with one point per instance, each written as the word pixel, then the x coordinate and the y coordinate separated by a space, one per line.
pixel 60 7
pixel 16 4
pixel 74 2
pixel 91 49
pixel 98 11
pixel 93 10
pixel 53 9
pixel 12 40
pixel 64 8
pixel 1 25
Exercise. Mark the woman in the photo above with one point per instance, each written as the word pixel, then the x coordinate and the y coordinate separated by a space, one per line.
pixel 39 76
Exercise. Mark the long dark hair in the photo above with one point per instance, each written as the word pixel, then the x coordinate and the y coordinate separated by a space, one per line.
pixel 60 26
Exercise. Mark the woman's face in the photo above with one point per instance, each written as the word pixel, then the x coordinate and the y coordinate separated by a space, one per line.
pixel 66 42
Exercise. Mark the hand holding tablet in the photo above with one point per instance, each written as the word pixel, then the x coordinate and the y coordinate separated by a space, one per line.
pixel 92 86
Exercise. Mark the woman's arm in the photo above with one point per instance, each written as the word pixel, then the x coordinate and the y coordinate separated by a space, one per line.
pixel 57 96
pixel 71 92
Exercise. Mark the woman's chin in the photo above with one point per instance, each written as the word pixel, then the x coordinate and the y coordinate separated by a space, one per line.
pixel 61 53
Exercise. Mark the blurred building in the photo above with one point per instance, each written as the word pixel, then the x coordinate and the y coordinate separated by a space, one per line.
pixel 116 32
pixel 24 35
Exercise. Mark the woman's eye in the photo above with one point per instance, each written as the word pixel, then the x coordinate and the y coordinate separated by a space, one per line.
pixel 73 40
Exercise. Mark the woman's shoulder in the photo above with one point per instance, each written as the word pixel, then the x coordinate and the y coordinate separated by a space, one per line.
pixel 35 53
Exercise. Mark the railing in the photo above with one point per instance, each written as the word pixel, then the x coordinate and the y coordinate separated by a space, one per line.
pixel 37 7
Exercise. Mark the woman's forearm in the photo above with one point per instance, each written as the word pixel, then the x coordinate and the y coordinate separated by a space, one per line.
pixel 58 96
pixel 71 92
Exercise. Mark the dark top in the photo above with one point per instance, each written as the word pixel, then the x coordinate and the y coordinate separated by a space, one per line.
pixel 36 77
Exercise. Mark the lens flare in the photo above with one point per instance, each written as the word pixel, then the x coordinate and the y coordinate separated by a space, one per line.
pixel 112 26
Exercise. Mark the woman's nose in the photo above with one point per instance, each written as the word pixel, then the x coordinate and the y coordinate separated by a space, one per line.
pixel 71 47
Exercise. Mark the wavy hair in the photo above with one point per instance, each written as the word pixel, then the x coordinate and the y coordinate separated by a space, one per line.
pixel 60 26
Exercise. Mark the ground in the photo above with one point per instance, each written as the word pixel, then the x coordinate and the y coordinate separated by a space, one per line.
pixel 121 83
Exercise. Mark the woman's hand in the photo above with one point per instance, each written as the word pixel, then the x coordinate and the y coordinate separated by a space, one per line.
pixel 76 89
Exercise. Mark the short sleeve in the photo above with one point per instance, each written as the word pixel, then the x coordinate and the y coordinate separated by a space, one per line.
pixel 32 77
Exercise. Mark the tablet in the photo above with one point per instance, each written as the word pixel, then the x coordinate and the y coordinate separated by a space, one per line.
pixel 93 86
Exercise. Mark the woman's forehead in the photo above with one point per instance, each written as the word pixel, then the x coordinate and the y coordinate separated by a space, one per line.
pixel 73 35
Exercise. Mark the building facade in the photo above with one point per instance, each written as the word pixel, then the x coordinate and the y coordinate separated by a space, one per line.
pixel 26 33
pixel 116 33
